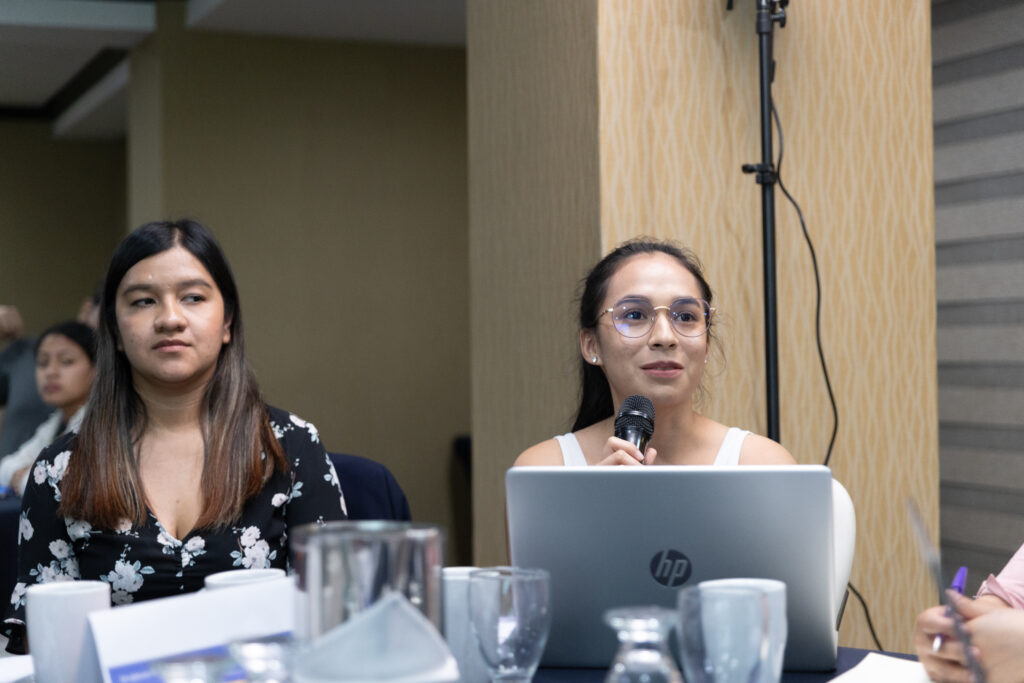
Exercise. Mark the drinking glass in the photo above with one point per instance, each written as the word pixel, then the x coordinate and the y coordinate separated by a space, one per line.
pixel 643 654
pixel 264 660
pixel 723 634
pixel 508 607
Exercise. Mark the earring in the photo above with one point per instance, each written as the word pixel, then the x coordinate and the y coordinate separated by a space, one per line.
pixel 705 360
pixel 594 360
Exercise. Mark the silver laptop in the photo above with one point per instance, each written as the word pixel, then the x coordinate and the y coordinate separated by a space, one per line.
pixel 622 536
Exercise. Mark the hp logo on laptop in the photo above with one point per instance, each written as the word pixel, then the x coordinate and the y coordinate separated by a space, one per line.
pixel 670 568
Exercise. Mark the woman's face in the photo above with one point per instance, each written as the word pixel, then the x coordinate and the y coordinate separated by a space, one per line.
pixel 170 321
pixel 64 372
pixel 662 365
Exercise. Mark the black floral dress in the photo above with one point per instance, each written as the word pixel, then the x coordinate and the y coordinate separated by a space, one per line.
pixel 147 562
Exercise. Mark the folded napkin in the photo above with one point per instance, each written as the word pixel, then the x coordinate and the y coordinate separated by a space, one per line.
pixel 390 641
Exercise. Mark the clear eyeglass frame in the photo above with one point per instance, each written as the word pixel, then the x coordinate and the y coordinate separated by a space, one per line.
pixel 634 318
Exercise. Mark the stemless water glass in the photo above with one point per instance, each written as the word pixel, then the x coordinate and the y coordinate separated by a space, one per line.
pixel 643 654
pixel 723 634
pixel 508 607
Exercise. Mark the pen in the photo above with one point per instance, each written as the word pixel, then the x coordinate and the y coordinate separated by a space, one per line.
pixel 959 581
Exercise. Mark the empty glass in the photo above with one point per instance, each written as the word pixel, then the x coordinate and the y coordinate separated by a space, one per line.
pixel 643 654
pixel 723 634
pixel 508 607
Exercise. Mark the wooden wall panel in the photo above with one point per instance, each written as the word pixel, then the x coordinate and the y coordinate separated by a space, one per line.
pixel 679 115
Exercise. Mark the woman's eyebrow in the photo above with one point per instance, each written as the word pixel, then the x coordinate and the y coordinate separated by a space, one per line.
pixel 184 284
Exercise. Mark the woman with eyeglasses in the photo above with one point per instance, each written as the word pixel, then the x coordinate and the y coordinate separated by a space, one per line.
pixel 180 470
pixel 647 328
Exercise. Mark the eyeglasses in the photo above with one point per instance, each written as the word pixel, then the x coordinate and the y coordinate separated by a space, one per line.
pixel 635 317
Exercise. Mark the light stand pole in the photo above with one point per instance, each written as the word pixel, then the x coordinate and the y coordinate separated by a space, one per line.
pixel 768 12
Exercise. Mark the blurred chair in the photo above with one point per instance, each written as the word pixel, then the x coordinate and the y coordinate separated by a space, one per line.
pixel 844 540
pixel 371 491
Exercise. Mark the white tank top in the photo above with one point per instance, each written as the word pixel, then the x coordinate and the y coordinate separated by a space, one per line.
pixel 728 452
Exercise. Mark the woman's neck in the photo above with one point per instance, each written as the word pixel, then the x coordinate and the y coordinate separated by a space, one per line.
pixel 170 410
pixel 677 435
pixel 68 411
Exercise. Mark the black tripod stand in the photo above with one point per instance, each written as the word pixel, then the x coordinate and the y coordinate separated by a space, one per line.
pixel 768 13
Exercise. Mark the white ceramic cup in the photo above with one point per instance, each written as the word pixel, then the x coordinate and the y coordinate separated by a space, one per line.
pixel 775 593
pixel 241 577
pixel 59 639
pixel 458 629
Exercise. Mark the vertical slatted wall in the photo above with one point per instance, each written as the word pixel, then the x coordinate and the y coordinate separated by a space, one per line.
pixel 978 80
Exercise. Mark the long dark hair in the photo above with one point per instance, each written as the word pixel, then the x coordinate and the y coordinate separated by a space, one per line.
pixel 102 484
pixel 595 394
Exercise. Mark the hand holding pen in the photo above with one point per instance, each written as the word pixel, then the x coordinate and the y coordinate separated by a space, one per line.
pixel 959 582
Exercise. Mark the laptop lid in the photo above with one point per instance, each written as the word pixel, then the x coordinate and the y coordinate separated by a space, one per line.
pixel 624 536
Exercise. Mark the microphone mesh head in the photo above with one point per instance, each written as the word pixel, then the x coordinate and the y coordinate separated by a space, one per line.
pixel 637 411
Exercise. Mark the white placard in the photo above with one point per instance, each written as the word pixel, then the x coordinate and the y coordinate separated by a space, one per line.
pixel 129 638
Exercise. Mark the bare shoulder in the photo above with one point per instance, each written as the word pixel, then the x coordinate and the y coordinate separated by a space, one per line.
pixel 545 453
pixel 759 450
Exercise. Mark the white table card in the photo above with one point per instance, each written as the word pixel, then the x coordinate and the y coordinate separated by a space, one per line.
pixel 128 639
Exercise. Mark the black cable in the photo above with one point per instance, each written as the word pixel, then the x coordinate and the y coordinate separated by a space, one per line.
pixel 817 289
pixel 867 613
pixel 821 352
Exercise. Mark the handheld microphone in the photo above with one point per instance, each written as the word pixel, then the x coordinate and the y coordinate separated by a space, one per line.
pixel 635 421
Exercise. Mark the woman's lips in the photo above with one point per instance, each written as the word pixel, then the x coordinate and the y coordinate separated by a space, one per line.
pixel 170 345
pixel 662 368
pixel 51 388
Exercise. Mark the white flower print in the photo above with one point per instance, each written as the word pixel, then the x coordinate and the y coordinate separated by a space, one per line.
pixel 250 536
pixel 77 529
pixel 25 529
pixel 314 435
pixel 59 466
pixel 169 543
pixel 39 473
pixel 49 573
pixel 194 547
pixel 18 595
pixel 279 431
pixel 257 556
pixel 124 526
pixel 332 474
pixel 60 549
pixel 279 499
pixel 125 578
pixel 255 552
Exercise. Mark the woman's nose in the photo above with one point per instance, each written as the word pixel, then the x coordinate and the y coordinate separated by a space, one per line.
pixel 662 333
pixel 169 316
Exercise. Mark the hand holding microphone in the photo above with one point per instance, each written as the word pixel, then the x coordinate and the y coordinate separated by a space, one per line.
pixel 634 426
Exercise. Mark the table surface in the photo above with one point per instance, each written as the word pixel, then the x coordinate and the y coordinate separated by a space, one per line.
pixel 846 659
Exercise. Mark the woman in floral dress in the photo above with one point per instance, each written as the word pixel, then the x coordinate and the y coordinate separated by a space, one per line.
pixel 179 470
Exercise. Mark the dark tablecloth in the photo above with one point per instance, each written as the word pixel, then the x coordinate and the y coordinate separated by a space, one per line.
pixel 848 657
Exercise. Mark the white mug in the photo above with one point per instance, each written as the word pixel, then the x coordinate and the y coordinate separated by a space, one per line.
pixel 241 577
pixel 59 639
pixel 458 629
pixel 775 593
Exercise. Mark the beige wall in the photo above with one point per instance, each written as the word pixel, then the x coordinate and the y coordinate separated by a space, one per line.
pixel 61 214
pixel 677 117
pixel 335 177
pixel 534 220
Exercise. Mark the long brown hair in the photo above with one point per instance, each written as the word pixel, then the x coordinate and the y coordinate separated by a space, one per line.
pixel 102 484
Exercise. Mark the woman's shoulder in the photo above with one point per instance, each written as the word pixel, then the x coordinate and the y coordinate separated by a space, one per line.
pixel 288 426
pixel 544 453
pixel 760 450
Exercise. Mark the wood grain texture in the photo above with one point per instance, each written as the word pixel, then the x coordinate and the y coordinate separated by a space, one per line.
pixel 534 212
pixel 679 115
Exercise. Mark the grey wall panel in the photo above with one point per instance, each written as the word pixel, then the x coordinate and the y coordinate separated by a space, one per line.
pixel 975 97
pixel 980 156
pixel 979 220
pixel 974 343
pixel 980 467
pixel 978 33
